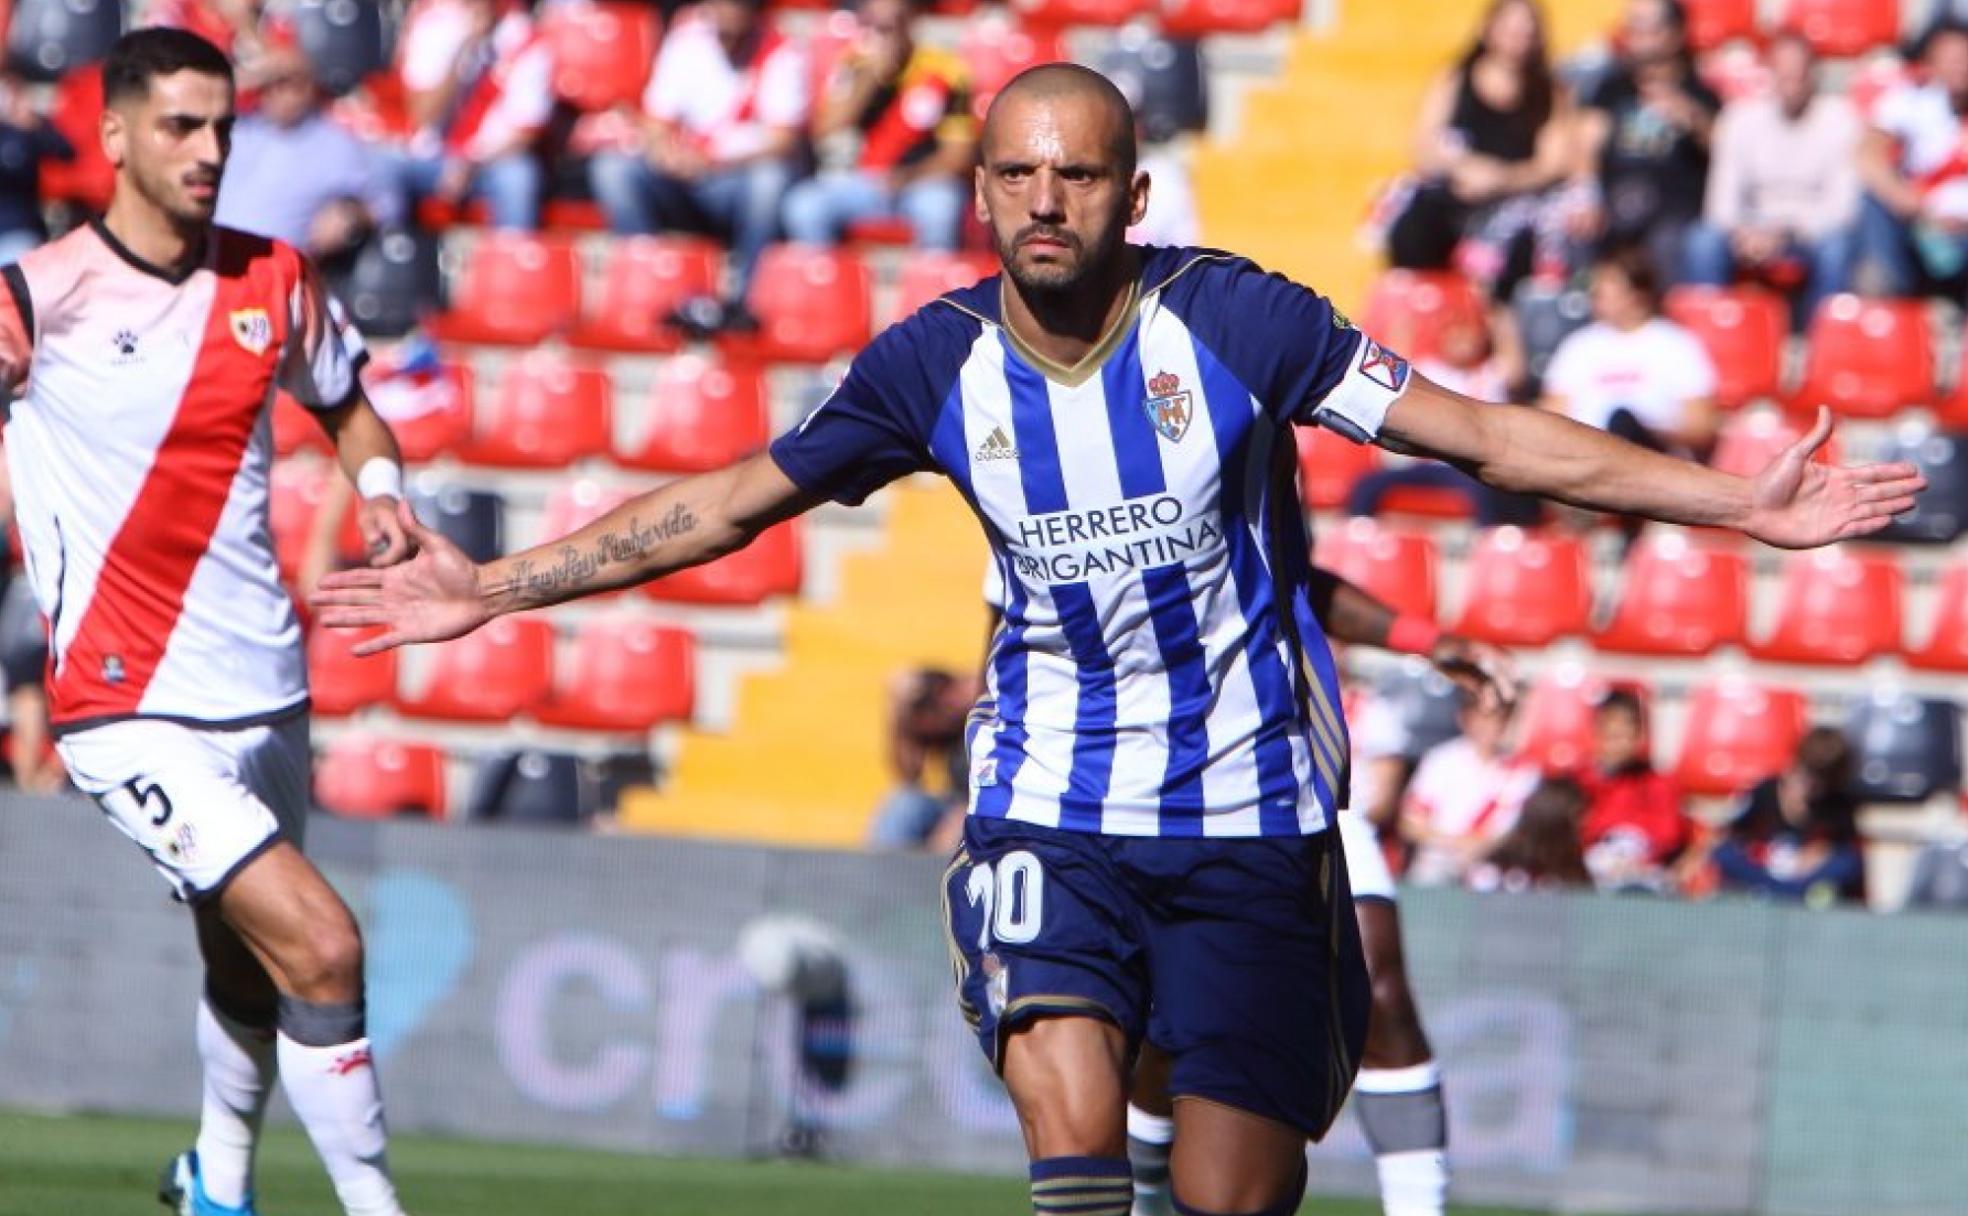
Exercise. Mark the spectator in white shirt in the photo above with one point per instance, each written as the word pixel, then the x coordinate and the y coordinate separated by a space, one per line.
pixel 1913 223
pixel 1464 797
pixel 479 83
pixel 719 140
pixel 1632 372
pixel 1783 186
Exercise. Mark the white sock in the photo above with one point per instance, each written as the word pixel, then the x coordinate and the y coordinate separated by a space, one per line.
pixel 334 1093
pixel 1414 1173
pixel 240 1068
pixel 1149 1137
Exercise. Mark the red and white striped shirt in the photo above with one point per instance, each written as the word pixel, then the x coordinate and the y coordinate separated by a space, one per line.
pixel 139 453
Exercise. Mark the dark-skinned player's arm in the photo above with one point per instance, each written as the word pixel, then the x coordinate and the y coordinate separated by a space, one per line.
pixel 441 593
pixel 1351 614
pixel 1794 503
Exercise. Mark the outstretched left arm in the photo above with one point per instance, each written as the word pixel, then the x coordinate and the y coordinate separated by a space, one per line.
pixel 1795 503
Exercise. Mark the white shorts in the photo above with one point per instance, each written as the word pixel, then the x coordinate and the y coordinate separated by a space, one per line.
pixel 201 802
pixel 1366 865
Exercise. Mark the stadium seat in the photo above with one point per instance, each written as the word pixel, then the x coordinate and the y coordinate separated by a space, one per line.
pixel 623 674
pixel 602 51
pixel 430 412
pixel 995 49
pixel 771 565
pixel 344 42
pixel 1844 28
pixel 1714 22
pixel 1680 597
pixel 926 276
pixel 491 675
pixel 1736 734
pixel 367 777
pixel 645 279
pixel 1837 605
pixel 296 490
pixel 546 413
pixel 1748 442
pixel 812 304
pixel 1554 723
pixel 574 505
pixel 47 39
pixel 1546 316
pixel 530 786
pixel 1868 358
pixel 1525 588
pixel 339 682
pixel 1743 329
pixel 295 428
pixel 1906 748
pixel 701 415
pixel 1394 564
pixel 1940 877
pixel 1162 76
pixel 1408 310
pixel 394 284
pixel 1202 18
pixel 76 112
pixel 473 520
pixel 1058 14
pixel 1328 465
pixel 1940 512
pixel 516 288
pixel 1946 647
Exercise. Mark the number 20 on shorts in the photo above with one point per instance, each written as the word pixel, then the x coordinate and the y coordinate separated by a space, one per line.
pixel 1012 895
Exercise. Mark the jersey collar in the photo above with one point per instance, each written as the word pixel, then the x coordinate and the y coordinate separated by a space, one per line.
pixel 173 277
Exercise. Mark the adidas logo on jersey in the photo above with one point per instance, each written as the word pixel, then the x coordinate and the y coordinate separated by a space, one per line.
pixel 996 447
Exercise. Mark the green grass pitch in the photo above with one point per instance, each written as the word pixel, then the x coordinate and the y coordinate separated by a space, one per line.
pixel 101 1166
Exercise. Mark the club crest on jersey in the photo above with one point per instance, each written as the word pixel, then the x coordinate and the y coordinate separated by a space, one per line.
pixel 252 329
pixel 1383 366
pixel 1169 406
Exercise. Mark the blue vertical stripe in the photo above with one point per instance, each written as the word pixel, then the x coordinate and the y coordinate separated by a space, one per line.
pixel 1171 606
pixel 1233 419
pixel 1308 638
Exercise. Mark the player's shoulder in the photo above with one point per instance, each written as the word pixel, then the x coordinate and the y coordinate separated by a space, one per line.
pixel 236 250
pixel 1192 274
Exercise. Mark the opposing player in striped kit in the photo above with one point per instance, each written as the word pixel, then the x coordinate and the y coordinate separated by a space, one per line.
pixel 1159 752
pixel 150 345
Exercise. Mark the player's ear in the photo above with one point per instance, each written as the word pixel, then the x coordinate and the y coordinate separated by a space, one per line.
pixel 114 131
pixel 1138 198
pixel 977 196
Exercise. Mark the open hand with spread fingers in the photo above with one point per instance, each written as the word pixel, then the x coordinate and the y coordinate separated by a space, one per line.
pixel 430 598
pixel 1800 503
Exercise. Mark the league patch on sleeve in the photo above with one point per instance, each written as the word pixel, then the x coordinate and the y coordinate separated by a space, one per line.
pixel 1383 366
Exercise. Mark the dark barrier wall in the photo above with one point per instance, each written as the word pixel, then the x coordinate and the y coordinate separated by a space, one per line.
pixel 1603 1054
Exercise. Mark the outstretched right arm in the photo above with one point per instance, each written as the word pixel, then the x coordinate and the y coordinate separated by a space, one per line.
pixel 441 593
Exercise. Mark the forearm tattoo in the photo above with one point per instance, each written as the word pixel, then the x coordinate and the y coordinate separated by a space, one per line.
pixel 576 569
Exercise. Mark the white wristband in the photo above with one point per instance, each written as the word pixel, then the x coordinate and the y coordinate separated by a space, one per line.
pixel 380 477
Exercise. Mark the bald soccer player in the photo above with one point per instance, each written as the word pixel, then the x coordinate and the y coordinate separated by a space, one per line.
pixel 1159 753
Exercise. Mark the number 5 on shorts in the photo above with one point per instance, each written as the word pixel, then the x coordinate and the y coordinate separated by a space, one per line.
pixel 1012 895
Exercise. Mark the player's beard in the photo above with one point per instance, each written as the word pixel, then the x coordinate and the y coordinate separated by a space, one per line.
pixel 171 196
pixel 1054 278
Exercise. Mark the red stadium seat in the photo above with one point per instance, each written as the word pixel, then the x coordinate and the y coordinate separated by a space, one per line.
pixel 1868 358
pixel 295 428
pixel 1845 27
pixel 1736 734
pixel 339 682
pixel 1409 310
pixel 1328 465
pixel 624 673
pixel 1681 597
pixel 1946 648
pixel 701 415
pixel 769 566
pixel 1057 14
pixel 576 504
pixel 812 304
pixel 1525 588
pixel 366 777
pixel 88 179
pixel 645 279
pixel 1743 330
pixel 1749 442
pixel 602 51
pixel 1714 22
pixel 430 414
pixel 1837 605
pixel 496 673
pixel 296 491
pixel 1396 565
pixel 1554 724
pixel 547 413
pixel 929 275
pixel 995 50
pixel 516 288
pixel 1201 18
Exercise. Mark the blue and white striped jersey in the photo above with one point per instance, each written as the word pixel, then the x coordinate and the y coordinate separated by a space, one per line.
pixel 1159 671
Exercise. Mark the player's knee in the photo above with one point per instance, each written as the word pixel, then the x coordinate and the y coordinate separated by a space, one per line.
pixel 328 965
pixel 1072 1123
pixel 1284 1203
pixel 1393 1003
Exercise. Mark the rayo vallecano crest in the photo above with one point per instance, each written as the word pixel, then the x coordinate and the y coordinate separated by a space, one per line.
pixel 1169 406
pixel 252 329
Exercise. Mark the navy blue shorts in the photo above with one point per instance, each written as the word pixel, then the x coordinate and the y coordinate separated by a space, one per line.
pixel 1240 957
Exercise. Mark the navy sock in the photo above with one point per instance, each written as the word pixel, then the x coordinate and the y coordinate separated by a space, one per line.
pixel 1082 1186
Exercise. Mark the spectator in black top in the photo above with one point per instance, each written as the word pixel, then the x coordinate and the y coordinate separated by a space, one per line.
pixel 1645 134
pixel 26 139
pixel 1796 836
pixel 1493 142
